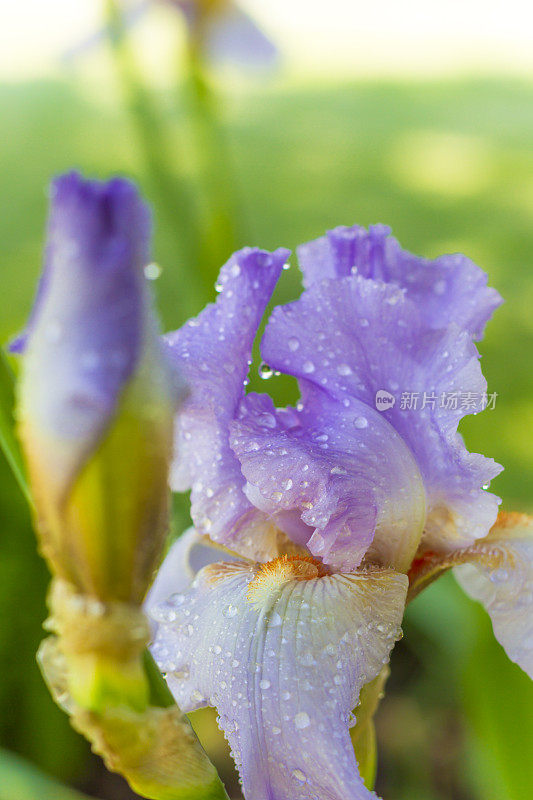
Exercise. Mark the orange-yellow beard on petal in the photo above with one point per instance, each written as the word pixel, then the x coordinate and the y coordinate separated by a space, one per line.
pixel 271 576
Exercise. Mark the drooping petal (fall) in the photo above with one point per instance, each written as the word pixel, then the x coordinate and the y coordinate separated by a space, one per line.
pixel 185 558
pixel 282 650
pixel 498 571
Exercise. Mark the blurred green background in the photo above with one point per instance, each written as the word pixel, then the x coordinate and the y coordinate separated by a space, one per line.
pixel 448 164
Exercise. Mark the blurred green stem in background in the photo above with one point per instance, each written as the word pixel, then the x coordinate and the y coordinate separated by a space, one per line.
pixel 222 229
pixel 174 196
pixel 206 217
pixel 8 440
pixel 21 781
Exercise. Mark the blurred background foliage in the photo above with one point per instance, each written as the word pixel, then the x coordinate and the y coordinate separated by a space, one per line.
pixel 447 162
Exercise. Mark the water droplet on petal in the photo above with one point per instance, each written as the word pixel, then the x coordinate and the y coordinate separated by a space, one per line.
pixel 361 422
pixel 344 369
pixel 499 575
pixel 294 344
pixel 299 776
pixel 264 684
pixel 231 611
pixel 308 367
pixel 301 720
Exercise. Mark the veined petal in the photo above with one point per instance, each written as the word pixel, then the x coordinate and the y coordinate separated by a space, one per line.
pixel 213 352
pixel 379 342
pixel 498 571
pixel 185 558
pixel 344 469
pixel 448 289
pixel 282 651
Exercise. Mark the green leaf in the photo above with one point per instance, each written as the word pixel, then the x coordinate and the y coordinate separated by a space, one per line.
pixel 498 699
pixel 20 780
pixel 8 440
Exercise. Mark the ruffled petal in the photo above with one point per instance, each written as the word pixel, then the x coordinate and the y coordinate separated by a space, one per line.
pixel 380 343
pixel 498 571
pixel 344 469
pixel 213 352
pixel 448 289
pixel 283 656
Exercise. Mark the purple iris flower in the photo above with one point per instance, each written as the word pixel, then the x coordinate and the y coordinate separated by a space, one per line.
pixel 337 508
pixel 224 32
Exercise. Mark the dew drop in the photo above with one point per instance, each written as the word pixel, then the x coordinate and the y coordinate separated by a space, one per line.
pixel 265 371
pixel 499 575
pixel 301 720
pixel 344 369
pixel 299 776
pixel 231 611
pixel 308 367
pixel 337 471
pixel 361 422
pixel 294 344
pixel 152 271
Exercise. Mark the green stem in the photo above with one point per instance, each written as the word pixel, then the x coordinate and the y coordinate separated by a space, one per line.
pixel 223 232
pixel 176 201
pixel 8 440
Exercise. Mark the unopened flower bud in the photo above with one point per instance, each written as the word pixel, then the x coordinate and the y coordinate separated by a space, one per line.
pixel 96 397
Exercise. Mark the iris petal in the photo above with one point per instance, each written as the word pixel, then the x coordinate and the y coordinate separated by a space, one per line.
pixel 283 660
pixel 213 353
pixel 448 289
pixel 380 342
pixel 346 472
pixel 499 573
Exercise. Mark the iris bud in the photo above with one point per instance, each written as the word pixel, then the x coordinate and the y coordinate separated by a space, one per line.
pixel 96 397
